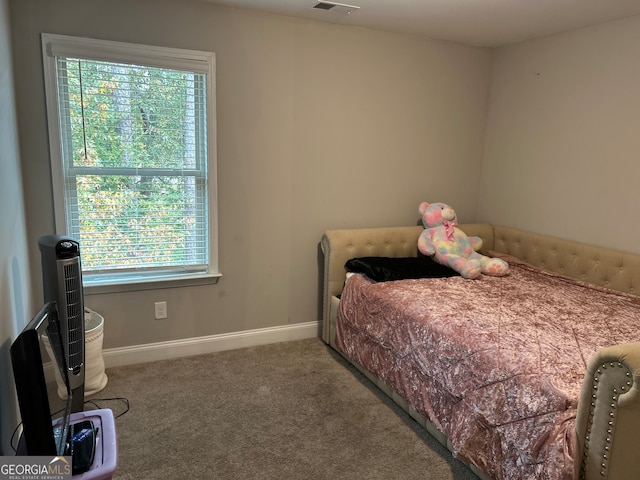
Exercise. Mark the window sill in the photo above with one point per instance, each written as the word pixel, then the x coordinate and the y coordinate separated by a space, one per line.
pixel 151 284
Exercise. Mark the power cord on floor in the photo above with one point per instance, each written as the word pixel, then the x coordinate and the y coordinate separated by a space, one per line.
pixel 94 402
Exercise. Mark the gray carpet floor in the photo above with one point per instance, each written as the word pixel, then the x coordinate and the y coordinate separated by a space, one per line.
pixel 293 410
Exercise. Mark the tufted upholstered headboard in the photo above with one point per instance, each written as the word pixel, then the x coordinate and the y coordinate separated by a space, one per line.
pixel 601 266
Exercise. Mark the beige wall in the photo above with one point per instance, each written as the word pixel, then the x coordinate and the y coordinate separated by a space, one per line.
pixel 319 126
pixel 562 153
pixel 14 265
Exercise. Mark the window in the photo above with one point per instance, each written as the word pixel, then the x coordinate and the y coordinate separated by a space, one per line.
pixel 132 141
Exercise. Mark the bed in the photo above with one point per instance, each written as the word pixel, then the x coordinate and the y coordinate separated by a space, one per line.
pixel 575 413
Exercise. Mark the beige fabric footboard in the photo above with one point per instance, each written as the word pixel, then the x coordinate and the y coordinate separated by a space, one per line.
pixel 608 419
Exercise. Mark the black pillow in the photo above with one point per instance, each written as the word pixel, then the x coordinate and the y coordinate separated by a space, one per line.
pixel 382 269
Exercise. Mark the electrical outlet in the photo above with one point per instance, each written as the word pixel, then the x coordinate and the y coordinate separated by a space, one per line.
pixel 161 310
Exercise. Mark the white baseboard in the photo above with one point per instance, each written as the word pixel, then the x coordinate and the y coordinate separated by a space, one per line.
pixel 150 352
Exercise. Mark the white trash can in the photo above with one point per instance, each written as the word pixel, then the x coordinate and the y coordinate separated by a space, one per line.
pixel 95 378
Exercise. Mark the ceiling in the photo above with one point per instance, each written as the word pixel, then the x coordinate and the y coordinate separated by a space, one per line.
pixel 474 22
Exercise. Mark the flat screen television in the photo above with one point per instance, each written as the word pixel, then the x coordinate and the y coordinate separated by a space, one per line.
pixel 45 416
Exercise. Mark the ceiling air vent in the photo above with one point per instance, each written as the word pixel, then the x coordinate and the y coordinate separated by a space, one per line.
pixel 335 7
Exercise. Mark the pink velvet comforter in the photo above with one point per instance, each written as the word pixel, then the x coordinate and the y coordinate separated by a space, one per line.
pixel 496 363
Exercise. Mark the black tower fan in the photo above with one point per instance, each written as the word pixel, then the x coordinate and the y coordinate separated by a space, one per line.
pixel 62 282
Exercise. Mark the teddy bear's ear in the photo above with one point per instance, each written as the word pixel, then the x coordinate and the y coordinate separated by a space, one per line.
pixel 423 207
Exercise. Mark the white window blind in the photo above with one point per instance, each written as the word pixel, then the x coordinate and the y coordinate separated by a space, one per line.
pixel 133 163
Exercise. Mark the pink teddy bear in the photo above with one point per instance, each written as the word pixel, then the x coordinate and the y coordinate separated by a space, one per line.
pixel 450 246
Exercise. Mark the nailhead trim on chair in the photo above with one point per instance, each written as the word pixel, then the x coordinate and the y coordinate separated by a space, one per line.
pixel 604 455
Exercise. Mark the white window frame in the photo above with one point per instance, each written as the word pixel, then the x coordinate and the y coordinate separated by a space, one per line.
pixel 162 57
